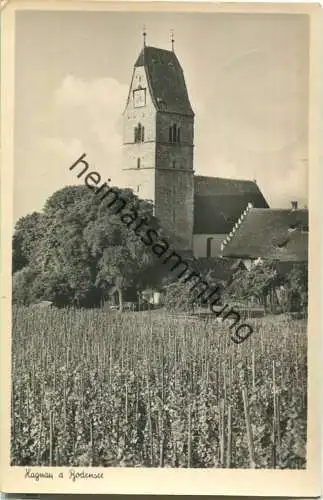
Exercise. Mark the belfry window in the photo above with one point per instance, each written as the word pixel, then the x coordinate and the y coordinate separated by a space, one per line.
pixel 139 133
pixel 174 134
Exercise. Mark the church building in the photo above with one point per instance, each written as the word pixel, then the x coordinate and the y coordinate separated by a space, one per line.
pixel 158 162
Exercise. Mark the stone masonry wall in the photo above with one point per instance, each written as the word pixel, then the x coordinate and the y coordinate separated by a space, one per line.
pixel 174 205
pixel 174 178
pixel 141 180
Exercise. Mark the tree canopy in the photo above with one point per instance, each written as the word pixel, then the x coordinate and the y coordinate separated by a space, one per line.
pixel 78 249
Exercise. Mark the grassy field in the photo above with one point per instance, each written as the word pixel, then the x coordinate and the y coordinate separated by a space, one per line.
pixel 104 389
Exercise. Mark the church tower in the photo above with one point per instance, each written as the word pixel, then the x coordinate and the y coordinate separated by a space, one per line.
pixel 158 133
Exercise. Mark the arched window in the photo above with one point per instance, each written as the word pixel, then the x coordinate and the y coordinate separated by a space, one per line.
pixel 139 133
pixel 138 162
pixel 178 135
pixel 174 164
pixel 208 247
pixel 174 132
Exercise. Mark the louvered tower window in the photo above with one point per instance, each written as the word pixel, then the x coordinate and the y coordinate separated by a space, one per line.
pixel 174 134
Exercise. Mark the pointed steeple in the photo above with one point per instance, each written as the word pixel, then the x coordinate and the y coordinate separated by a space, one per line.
pixel 144 35
pixel 172 39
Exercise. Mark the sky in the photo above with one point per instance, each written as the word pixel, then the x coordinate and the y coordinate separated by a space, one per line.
pixel 246 74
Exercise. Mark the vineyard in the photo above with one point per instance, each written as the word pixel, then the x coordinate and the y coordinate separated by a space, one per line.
pixel 95 388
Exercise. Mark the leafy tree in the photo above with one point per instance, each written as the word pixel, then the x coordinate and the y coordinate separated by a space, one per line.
pixel 263 280
pixel 183 295
pixel 178 297
pixel 84 247
pixel 258 282
pixel 295 298
pixel 117 267
pixel 22 283
pixel 29 231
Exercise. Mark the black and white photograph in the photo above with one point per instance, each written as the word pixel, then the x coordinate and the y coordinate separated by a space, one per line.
pixel 159 243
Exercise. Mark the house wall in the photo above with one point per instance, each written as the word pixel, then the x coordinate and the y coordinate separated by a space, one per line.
pixel 200 244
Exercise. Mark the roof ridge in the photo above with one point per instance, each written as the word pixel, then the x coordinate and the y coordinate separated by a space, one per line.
pixel 157 48
pixel 281 209
pixel 237 225
pixel 225 178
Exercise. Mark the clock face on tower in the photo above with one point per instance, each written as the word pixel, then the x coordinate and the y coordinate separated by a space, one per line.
pixel 139 98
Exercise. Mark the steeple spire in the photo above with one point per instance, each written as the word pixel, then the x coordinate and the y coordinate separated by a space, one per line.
pixel 172 39
pixel 144 34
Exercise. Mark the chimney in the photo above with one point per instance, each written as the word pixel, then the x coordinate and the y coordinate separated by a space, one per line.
pixel 294 205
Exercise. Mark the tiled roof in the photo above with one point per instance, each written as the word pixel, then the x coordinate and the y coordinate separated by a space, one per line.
pixel 218 203
pixel 275 234
pixel 166 80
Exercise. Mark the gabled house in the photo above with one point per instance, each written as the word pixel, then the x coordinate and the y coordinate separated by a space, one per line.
pixel 279 235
